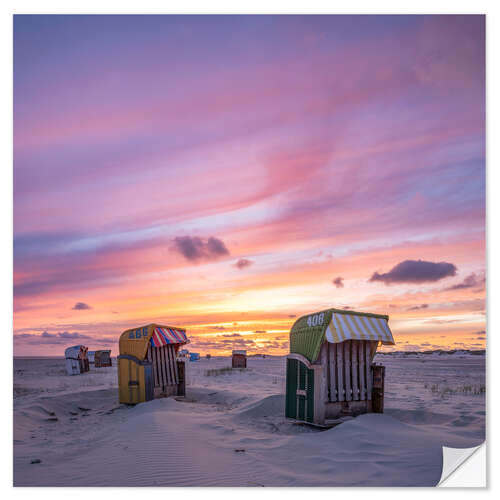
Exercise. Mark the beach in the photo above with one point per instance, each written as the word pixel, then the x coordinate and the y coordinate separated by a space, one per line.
pixel 230 429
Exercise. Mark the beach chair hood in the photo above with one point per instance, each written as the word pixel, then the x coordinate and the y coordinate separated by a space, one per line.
pixel 73 352
pixel 335 326
pixel 135 341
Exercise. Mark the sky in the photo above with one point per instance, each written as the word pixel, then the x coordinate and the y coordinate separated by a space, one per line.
pixel 228 174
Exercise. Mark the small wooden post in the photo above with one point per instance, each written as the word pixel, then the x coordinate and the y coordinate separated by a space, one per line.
pixel 378 388
pixel 181 387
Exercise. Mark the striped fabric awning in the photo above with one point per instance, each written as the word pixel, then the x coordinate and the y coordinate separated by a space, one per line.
pixel 164 336
pixel 358 327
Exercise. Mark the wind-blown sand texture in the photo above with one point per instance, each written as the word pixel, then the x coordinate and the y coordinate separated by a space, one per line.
pixel 231 431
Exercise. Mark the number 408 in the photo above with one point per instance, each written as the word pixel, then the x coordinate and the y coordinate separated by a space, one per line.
pixel 316 319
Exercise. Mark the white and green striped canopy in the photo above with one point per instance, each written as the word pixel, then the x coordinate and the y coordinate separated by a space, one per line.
pixel 358 327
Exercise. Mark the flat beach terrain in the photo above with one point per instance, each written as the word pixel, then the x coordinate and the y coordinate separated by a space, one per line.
pixel 230 430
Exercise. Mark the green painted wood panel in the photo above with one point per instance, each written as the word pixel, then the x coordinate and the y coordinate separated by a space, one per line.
pixel 291 388
pixel 299 377
pixel 302 376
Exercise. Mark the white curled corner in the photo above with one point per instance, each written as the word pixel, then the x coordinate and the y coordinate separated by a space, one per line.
pixel 464 467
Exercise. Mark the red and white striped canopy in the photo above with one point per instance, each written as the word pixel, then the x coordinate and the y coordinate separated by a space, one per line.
pixel 163 336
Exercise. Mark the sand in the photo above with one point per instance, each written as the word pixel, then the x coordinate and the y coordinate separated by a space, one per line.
pixel 231 430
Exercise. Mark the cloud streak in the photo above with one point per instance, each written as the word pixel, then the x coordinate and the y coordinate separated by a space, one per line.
pixel 418 308
pixel 471 281
pixel 53 338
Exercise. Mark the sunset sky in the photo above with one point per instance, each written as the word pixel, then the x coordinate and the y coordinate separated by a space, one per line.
pixel 228 174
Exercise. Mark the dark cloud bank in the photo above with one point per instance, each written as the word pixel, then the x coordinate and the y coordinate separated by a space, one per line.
pixel 194 248
pixel 416 271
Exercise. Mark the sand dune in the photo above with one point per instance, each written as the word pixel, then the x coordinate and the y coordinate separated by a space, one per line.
pixel 230 431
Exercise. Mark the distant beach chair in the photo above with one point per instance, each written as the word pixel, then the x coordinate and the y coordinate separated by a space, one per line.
pixel 194 356
pixel 183 355
pixel 102 358
pixel 330 375
pixel 148 366
pixel 76 360
pixel 239 359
